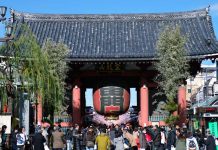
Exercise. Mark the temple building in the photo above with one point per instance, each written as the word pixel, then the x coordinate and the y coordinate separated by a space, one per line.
pixel 116 52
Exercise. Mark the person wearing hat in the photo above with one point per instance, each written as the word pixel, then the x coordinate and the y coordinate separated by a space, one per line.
pixel 210 141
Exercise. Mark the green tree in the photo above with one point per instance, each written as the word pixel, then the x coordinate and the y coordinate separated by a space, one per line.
pixel 56 54
pixel 40 70
pixel 172 67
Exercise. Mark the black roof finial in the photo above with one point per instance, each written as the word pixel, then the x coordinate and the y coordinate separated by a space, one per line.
pixel 208 9
pixel 207 12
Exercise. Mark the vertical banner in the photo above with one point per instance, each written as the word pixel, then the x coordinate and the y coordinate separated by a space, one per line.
pixel 24 112
pixel 213 126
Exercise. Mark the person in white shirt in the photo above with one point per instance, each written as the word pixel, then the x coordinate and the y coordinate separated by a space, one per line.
pixel 21 139
pixel 191 142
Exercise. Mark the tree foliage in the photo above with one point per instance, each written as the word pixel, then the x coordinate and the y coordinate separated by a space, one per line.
pixel 40 70
pixel 172 66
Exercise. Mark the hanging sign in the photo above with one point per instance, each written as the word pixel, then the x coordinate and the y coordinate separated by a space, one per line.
pixel 110 67
pixel 213 126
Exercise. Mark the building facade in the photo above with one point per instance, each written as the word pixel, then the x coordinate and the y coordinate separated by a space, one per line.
pixel 118 51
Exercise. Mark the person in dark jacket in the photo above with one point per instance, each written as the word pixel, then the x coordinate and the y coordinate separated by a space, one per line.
pixel 69 137
pixel 112 136
pixel 89 139
pixel 142 139
pixel 38 140
pixel 4 136
pixel 210 142
pixel 171 138
pixel 76 138
pixel 156 136
pixel 14 139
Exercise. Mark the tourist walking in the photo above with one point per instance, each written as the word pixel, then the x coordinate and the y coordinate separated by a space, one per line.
pixel 1 139
pixel 77 137
pixel 38 140
pixel 3 136
pixel 181 140
pixel 68 138
pixel 148 138
pixel 191 142
pixel 21 139
pixel 118 140
pixel 171 138
pixel 156 138
pixel 14 139
pixel 102 141
pixel 130 138
pixel 112 136
pixel 210 141
pixel 162 139
pixel 142 139
pixel 58 139
pixel 90 139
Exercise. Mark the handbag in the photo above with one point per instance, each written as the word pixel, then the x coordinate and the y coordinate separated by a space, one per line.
pixel 173 148
pixel 46 147
pixel 95 147
pixel 90 143
pixel 125 146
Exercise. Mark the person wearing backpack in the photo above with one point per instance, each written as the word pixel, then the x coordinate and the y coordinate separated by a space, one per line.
pixel 210 141
pixel 191 142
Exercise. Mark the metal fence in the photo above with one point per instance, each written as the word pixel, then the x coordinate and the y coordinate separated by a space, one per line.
pixel 157 118
pixel 62 118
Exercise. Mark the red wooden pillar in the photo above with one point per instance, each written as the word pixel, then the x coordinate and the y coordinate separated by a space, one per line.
pixel 144 105
pixel 182 104
pixel 39 110
pixel 76 104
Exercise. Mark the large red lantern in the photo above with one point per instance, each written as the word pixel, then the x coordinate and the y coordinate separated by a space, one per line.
pixel 111 100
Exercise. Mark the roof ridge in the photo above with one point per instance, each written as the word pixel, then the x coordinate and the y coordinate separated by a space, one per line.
pixel 149 16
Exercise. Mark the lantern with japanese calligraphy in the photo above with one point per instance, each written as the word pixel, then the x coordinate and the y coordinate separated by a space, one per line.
pixel 111 100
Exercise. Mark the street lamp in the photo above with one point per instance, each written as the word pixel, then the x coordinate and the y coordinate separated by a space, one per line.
pixel 9 27
pixel 6 39
pixel 3 10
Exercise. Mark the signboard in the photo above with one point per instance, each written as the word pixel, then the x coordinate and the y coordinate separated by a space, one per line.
pixel 6 120
pixel 110 67
pixel 213 126
pixel 196 124
pixel 210 115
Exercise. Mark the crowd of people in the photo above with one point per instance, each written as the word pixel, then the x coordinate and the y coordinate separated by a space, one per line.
pixel 114 137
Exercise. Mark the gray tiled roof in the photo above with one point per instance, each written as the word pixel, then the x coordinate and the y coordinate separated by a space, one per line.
pixel 122 36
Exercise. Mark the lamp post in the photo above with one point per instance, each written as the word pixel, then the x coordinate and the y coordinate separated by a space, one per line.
pixel 3 10
pixel 9 27
pixel 8 70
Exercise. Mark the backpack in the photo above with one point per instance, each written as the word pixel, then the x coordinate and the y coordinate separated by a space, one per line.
pixel 20 139
pixel 192 145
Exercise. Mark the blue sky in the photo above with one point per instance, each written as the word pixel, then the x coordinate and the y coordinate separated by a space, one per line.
pixel 111 7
